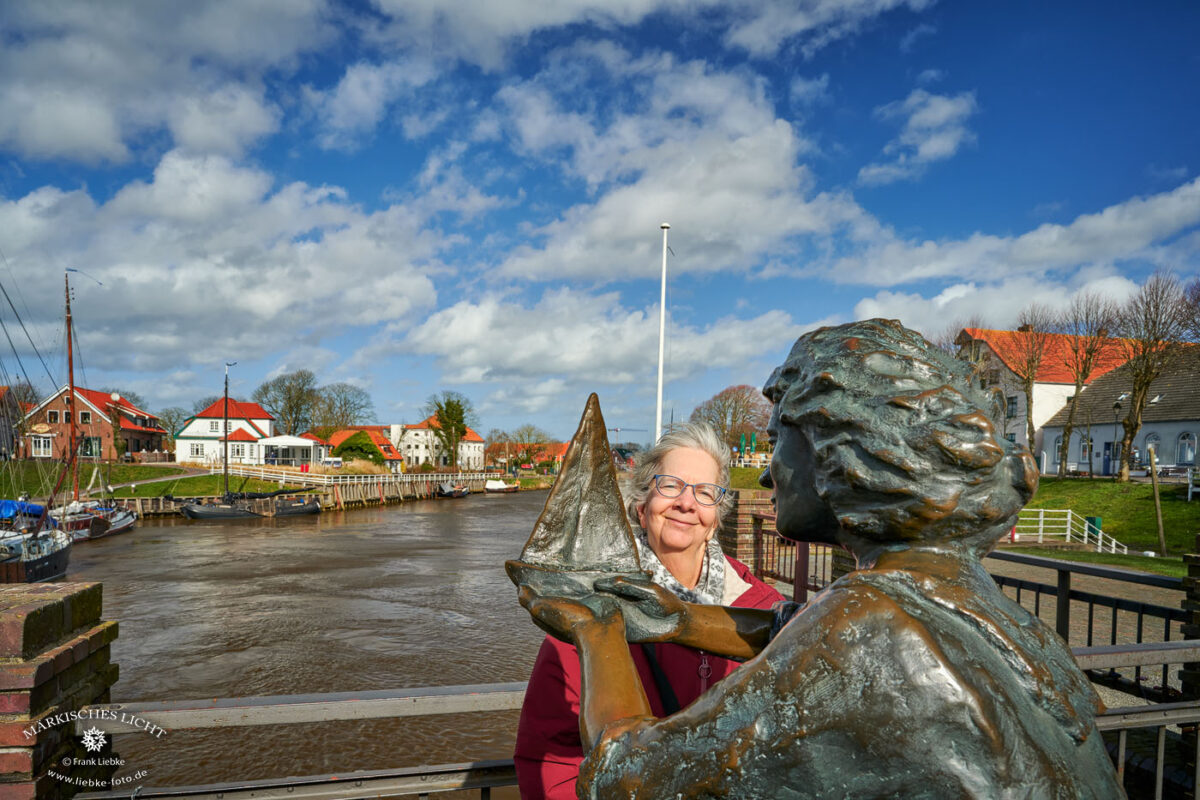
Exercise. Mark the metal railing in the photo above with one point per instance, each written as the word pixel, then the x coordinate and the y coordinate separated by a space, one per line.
pixel 485 775
pixel 1041 524
pixel 781 559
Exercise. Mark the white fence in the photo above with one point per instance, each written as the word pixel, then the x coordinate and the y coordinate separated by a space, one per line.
pixel 1038 525
pixel 296 478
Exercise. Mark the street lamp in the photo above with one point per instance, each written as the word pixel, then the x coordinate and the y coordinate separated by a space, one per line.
pixel 1115 447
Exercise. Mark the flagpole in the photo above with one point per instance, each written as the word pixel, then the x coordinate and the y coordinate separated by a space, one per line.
pixel 662 331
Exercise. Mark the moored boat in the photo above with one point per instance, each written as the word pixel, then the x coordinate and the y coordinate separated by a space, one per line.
pixel 90 519
pixel 500 487
pixel 449 489
pixel 34 557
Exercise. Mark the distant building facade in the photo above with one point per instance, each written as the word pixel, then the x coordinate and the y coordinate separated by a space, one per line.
pixel 105 425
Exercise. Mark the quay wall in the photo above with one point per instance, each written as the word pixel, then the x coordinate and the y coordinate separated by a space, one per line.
pixel 371 490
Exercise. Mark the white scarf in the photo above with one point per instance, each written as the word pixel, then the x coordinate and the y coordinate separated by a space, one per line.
pixel 710 589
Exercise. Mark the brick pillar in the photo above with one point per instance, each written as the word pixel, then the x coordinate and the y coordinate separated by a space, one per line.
pixel 54 659
pixel 737 533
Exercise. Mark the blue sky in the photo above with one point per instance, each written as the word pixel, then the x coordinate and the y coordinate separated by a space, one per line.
pixel 417 195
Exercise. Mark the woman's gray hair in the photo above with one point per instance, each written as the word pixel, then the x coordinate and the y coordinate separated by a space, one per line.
pixel 648 463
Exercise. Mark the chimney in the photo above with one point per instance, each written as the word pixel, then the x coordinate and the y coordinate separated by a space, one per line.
pixel 1103 332
pixel 1025 329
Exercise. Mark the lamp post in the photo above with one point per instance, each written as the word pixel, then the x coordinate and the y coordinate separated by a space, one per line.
pixel 1115 447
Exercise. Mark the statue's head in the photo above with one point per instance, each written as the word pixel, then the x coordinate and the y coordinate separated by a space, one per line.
pixel 881 439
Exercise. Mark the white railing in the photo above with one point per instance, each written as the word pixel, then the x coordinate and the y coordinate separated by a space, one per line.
pixel 1041 524
pixel 295 477
pixel 1193 482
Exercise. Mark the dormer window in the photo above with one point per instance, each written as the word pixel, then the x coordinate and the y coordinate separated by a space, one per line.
pixel 1123 396
pixel 1156 398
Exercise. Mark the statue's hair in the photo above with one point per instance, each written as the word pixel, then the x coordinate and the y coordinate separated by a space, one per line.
pixel 648 463
pixel 906 443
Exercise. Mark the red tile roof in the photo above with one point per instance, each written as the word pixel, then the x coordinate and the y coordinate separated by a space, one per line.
pixel 379 440
pixel 241 435
pixel 314 437
pixel 431 422
pixel 1008 347
pixel 103 400
pixel 237 410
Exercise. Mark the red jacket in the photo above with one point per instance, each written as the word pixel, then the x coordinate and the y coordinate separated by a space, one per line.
pixel 549 749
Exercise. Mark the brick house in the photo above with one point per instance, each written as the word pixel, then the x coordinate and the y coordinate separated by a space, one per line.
pixel 103 421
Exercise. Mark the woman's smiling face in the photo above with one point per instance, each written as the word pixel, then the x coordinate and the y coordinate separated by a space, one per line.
pixel 679 525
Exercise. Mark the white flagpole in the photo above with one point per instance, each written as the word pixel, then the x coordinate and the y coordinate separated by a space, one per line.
pixel 662 332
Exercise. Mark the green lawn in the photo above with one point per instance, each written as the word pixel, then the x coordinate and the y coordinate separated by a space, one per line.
pixel 1127 510
pixel 744 478
pixel 197 486
pixel 37 478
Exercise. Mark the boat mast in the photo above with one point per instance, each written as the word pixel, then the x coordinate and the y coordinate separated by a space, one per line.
pixel 71 385
pixel 225 438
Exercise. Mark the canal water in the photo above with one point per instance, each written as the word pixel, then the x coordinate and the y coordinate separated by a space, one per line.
pixel 394 597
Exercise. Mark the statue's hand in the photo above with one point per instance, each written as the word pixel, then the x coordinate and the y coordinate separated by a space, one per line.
pixel 563 617
pixel 652 613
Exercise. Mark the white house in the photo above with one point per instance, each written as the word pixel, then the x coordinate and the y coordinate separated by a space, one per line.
pixel 418 444
pixel 1001 351
pixel 201 439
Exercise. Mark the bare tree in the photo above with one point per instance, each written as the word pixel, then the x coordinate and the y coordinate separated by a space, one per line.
pixel 172 420
pixel 1191 297
pixel 531 443
pixel 341 405
pixel 1152 324
pixel 957 342
pixel 291 399
pixel 1085 325
pixel 734 411
pixel 1027 351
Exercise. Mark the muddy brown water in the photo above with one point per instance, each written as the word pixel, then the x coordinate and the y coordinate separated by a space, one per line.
pixel 395 597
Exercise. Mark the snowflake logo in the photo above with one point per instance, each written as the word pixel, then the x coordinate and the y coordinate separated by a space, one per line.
pixel 93 739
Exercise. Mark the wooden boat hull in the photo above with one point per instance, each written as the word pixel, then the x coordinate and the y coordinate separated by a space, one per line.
pixel 251 508
pixel 44 568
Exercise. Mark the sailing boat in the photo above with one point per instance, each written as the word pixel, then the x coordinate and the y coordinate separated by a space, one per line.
pixel 243 505
pixel 84 519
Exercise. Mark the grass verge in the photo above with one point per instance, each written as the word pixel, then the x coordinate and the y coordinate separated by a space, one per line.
pixel 1172 567
pixel 37 478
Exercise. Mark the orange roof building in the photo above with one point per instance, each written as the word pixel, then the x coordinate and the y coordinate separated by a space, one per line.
pixel 1003 356
pixel 107 425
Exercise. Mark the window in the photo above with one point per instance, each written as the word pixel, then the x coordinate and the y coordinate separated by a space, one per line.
pixel 85 418
pixel 250 449
pixel 1152 440
pixel 1057 448
pixel 41 447
pixel 1012 406
pixel 67 417
pixel 1185 450
pixel 196 450
pixel 1012 437
pixel 237 450
pixel 214 427
pixel 1085 449
pixel 90 447
pixel 52 416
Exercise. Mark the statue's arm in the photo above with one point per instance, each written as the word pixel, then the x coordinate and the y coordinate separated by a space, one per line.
pixel 654 614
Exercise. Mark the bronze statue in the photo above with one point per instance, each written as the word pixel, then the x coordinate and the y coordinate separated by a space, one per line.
pixel 913 676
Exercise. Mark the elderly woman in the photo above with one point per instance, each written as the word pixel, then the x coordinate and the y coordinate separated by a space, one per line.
pixel 674 503
pixel 913 676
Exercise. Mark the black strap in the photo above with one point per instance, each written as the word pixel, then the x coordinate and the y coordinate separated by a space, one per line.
pixel 665 692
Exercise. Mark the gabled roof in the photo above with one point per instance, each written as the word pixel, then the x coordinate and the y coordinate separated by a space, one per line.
pixel 237 410
pixel 100 403
pixel 241 435
pixel 381 442
pixel 1008 347
pixel 314 437
pixel 1177 390
pixel 431 422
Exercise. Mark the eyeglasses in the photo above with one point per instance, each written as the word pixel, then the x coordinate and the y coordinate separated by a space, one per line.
pixel 706 494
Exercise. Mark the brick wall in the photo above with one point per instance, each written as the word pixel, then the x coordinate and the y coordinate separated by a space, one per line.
pixel 54 659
